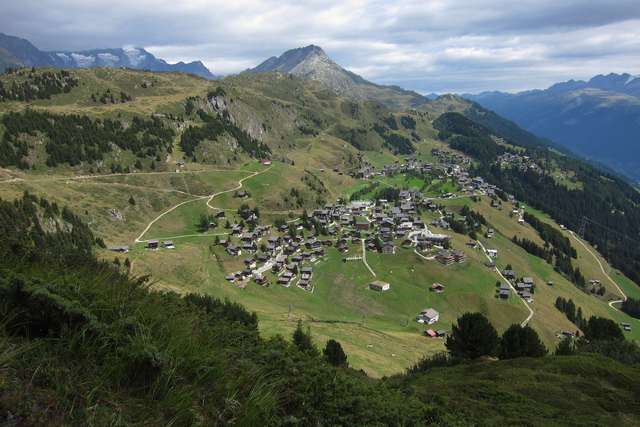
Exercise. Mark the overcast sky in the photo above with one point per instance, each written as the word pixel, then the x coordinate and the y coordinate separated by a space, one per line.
pixel 424 45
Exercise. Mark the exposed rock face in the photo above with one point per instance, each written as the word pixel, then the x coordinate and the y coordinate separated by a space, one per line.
pixel 244 119
pixel 311 62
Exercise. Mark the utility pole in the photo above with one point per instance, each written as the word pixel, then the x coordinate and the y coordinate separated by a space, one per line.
pixel 583 227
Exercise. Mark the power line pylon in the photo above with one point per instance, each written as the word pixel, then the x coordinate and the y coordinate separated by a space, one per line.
pixel 583 227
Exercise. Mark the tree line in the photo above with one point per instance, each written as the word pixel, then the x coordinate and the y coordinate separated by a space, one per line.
pixel 73 139
pixel 395 142
pixel 36 85
pixel 215 126
pixel 551 236
pixel 561 262
pixel 609 203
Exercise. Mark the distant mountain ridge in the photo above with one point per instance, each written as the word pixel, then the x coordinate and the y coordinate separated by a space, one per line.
pixel 15 51
pixel 311 62
pixel 598 119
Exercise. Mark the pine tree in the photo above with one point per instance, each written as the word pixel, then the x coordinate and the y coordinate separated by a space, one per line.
pixel 334 354
pixel 599 328
pixel 302 339
pixel 519 341
pixel 566 347
pixel 472 337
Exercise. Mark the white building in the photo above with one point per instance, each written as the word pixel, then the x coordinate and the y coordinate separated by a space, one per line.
pixel 379 286
pixel 428 316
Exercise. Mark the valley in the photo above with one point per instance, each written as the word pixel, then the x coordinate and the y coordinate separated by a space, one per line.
pixel 377 330
pixel 208 219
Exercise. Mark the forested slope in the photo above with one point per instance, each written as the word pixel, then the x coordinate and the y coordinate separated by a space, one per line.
pixel 608 204
pixel 81 343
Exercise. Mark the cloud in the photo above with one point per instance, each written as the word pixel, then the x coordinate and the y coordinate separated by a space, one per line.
pixel 425 45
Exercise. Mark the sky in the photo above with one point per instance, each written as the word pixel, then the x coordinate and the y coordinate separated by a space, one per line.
pixel 424 45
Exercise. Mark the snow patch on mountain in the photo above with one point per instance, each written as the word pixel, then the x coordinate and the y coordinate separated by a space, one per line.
pixel 134 55
pixel 83 60
pixel 108 58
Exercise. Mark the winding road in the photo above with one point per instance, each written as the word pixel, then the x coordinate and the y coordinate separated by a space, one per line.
pixel 611 303
pixel 209 199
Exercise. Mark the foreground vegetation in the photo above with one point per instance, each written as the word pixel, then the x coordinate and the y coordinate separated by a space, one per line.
pixel 81 343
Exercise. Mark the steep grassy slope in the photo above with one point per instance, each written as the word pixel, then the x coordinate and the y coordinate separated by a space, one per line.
pixel 315 138
pixel 150 358
pixel 83 344
pixel 531 392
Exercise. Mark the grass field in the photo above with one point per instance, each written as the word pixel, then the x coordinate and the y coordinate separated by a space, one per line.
pixel 378 331
pixel 547 319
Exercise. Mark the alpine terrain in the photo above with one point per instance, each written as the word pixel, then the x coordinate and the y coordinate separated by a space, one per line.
pixel 598 119
pixel 15 51
pixel 294 245
pixel 311 62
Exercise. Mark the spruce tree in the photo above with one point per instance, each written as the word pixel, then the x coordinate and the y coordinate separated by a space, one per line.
pixel 334 354
pixel 519 341
pixel 472 337
pixel 599 328
pixel 566 347
pixel 302 339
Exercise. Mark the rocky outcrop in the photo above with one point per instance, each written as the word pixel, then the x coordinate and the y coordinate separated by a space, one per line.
pixel 311 62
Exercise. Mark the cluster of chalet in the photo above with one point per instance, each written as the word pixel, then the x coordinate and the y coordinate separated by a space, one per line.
pixel 449 163
pixel 474 184
pixel 449 158
pixel 247 240
pixel 521 162
pixel 448 257
pixel 283 255
pixel 152 245
pixel 380 222
pixel 411 165
pixel 367 171
pixel 524 287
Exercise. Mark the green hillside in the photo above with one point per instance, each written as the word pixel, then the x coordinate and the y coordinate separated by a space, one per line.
pixel 317 142
pixel 93 346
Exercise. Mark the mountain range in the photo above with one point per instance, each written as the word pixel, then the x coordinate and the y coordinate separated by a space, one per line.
pixel 311 62
pixel 598 119
pixel 15 51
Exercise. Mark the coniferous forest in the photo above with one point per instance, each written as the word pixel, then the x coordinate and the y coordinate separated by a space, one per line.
pixel 606 203
pixel 72 139
pixel 36 85
pixel 215 126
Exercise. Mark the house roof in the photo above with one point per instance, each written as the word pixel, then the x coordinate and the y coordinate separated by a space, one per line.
pixel 378 283
pixel 430 313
